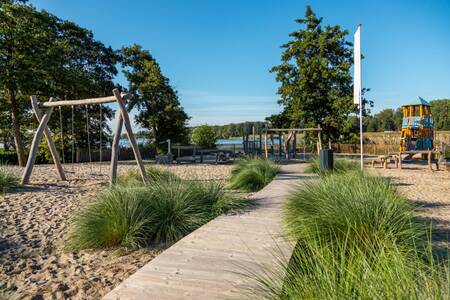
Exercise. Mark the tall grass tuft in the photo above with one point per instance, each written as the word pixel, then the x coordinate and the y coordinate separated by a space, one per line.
pixel 133 177
pixel 356 238
pixel 253 174
pixel 163 210
pixel 365 209
pixel 341 165
pixel 8 179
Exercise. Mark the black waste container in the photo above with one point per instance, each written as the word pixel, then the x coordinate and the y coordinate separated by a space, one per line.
pixel 326 160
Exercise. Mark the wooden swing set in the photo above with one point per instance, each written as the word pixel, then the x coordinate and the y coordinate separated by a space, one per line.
pixel 43 119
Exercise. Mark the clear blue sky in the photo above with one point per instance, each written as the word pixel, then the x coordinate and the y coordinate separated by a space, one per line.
pixel 218 53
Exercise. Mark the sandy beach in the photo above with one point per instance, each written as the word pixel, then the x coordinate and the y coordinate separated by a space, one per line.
pixel 35 219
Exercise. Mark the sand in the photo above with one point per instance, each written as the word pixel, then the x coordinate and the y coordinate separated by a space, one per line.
pixel 35 219
pixel 431 191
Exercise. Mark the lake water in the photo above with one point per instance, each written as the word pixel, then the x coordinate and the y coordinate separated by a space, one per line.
pixel 141 141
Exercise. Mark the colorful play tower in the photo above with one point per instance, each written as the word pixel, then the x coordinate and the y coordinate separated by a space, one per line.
pixel 417 126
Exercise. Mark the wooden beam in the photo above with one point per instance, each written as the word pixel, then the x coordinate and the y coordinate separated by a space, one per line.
pixel 48 136
pixel 293 129
pixel 130 134
pixel 89 101
pixel 35 145
pixel 115 149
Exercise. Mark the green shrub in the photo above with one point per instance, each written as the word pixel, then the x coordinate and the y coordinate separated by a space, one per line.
pixel 204 136
pixel 253 174
pixel 8 157
pixel 7 179
pixel 163 210
pixel 341 165
pixel 366 209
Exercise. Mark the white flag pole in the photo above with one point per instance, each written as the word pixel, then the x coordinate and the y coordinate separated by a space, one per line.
pixel 357 86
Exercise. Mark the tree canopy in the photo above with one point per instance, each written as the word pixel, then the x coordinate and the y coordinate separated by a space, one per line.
pixel 316 84
pixel 159 108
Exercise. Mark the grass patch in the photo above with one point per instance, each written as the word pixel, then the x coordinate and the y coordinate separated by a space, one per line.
pixel 8 179
pixel 163 210
pixel 133 177
pixel 253 174
pixel 356 238
pixel 341 165
pixel 365 209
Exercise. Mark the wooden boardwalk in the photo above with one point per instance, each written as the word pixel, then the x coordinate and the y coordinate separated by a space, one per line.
pixel 209 262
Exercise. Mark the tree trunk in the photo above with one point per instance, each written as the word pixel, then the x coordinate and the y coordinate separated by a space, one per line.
pixel 16 129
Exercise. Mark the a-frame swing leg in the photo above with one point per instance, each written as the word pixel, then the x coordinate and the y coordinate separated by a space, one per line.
pixel 115 149
pixel 48 136
pixel 35 145
pixel 126 120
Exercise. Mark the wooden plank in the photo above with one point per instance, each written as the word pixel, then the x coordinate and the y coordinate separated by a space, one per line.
pixel 48 136
pixel 115 149
pixel 88 101
pixel 210 263
pixel 35 145
pixel 129 130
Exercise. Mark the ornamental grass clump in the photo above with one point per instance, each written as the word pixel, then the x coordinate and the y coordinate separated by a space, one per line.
pixel 355 237
pixel 8 179
pixel 341 165
pixel 253 174
pixel 163 210
pixel 365 209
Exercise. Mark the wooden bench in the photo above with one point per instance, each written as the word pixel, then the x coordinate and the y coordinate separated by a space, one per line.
pixel 384 160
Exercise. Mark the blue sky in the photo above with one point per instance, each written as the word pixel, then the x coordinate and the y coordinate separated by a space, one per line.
pixel 218 53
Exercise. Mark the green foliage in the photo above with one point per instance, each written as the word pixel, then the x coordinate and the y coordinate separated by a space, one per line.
pixel 441 114
pixel 357 238
pixel 157 102
pixel 316 84
pixel 8 179
pixel 253 174
pixel 133 177
pixel 65 61
pixel 341 165
pixel 8 157
pixel 366 209
pixel 204 136
pixel 163 210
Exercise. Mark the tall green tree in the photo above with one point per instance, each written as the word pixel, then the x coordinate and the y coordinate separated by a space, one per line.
pixel 43 55
pixel 316 84
pixel 441 113
pixel 157 102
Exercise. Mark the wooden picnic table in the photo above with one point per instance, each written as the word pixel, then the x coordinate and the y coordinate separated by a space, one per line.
pixel 427 153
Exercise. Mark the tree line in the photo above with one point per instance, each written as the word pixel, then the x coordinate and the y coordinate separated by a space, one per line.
pixel 43 55
pixel 391 119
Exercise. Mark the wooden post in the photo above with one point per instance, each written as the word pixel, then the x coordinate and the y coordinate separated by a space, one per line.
pixel 272 150
pixel 319 140
pixel 115 149
pixel 430 154
pixel 48 137
pixel 294 142
pixel 280 144
pixel 400 159
pixel 130 134
pixel 266 151
pixel 35 145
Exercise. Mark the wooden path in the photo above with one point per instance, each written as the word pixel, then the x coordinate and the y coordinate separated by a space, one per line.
pixel 209 262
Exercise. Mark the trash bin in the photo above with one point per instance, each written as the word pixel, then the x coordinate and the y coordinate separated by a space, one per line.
pixel 326 160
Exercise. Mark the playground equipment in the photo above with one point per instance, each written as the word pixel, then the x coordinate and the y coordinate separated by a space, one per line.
pixel 43 129
pixel 417 126
pixel 285 142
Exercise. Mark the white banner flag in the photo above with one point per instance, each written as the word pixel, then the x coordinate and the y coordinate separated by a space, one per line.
pixel 357 67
